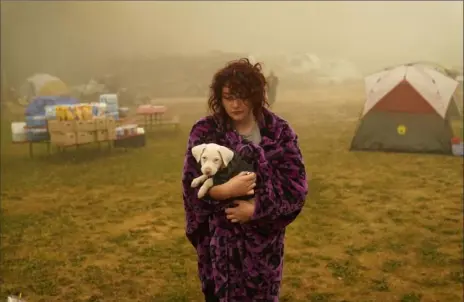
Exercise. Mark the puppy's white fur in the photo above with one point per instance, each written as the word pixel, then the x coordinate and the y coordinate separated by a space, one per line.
pixel 212 157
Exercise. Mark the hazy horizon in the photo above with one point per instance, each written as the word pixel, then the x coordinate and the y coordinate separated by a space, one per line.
pixel 367 33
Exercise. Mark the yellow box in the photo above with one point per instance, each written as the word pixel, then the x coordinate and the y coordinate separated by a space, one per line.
pixel 84 112
pixel 65 113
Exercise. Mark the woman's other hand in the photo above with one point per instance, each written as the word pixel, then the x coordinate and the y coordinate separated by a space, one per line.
pixel 241 213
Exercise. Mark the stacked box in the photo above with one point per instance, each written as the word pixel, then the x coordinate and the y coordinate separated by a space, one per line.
pixel 62 133
pixel 85 132
pixel 63 138
pixel 106 129
pixel 61 126
pixel 85 126
pixel 85 137
pixel 67 133
pixel 111 128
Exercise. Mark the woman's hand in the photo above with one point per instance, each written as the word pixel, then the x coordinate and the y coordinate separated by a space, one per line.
pixel 242 212
pixel 241 185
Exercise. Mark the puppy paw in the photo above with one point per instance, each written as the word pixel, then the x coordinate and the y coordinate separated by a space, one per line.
pixel 202 192
pixel 195 183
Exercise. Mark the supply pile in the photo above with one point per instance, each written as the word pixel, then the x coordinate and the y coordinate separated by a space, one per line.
pixel 66 122
pixel 78 132
pixel 83 123
pixel 129 130
pixel 35 119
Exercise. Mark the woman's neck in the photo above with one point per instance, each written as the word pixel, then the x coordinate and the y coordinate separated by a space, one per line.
pixel 245 126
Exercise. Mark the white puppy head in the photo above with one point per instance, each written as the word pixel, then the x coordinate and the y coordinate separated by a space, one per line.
pixel 212 157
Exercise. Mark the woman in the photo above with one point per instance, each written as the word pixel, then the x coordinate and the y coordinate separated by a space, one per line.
pixel 272 82
pixel 240 248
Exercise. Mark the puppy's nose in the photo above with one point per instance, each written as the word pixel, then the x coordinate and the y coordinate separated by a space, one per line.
pixel 208 171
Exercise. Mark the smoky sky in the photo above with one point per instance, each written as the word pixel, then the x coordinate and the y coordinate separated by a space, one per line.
pixel 379 33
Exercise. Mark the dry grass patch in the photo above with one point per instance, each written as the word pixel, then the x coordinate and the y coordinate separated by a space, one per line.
pixel 96 226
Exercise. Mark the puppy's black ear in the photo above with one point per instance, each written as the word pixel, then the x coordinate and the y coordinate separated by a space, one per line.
pixel 197 151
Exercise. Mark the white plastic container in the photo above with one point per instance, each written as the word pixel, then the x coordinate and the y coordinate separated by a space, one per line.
pixel 119 132
pixel 130 129
pixel 98 109
pixel 140 130
pixel 18 132
pixel 50 112
pixel 109 99
pixel 14 299
pixel 458 149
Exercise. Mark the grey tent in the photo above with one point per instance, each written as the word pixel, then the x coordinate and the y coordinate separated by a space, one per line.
pixel 455 107
pixel 406 110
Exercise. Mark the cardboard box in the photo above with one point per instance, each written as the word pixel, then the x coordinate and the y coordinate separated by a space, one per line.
pixel 63 139
pixel 85 126
pixel 100 123
pixel 105 135
pixel 111 135
pixel 85 137
pixel 110 124
pixel 61 126
pixel 101 135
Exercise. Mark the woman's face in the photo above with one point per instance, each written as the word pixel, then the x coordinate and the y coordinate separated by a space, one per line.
pixel 237 108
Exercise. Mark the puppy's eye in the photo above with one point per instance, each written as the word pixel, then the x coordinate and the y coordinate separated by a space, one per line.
pixel 204 158
pixel 216 160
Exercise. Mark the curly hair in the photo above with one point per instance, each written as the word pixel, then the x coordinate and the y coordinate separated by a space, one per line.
pixel 245 81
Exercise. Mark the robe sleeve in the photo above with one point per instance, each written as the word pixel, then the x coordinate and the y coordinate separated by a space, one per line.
pixel 197 210
pixel 282 184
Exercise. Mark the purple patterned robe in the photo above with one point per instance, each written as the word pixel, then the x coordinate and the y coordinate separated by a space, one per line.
pixel 243 262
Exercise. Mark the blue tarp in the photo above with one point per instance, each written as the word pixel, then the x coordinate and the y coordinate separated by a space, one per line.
pixel 37 105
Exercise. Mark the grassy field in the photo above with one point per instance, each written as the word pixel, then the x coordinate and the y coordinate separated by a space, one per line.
pixel 101 226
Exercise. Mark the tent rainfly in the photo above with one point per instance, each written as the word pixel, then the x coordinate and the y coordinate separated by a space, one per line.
pixel 44 85
pixel 407 109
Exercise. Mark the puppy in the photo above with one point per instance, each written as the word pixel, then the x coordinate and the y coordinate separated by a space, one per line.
pixel 218 165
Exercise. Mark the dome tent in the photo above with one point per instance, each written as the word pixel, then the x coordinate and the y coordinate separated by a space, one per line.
pixel 406 110
pixel 43 85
